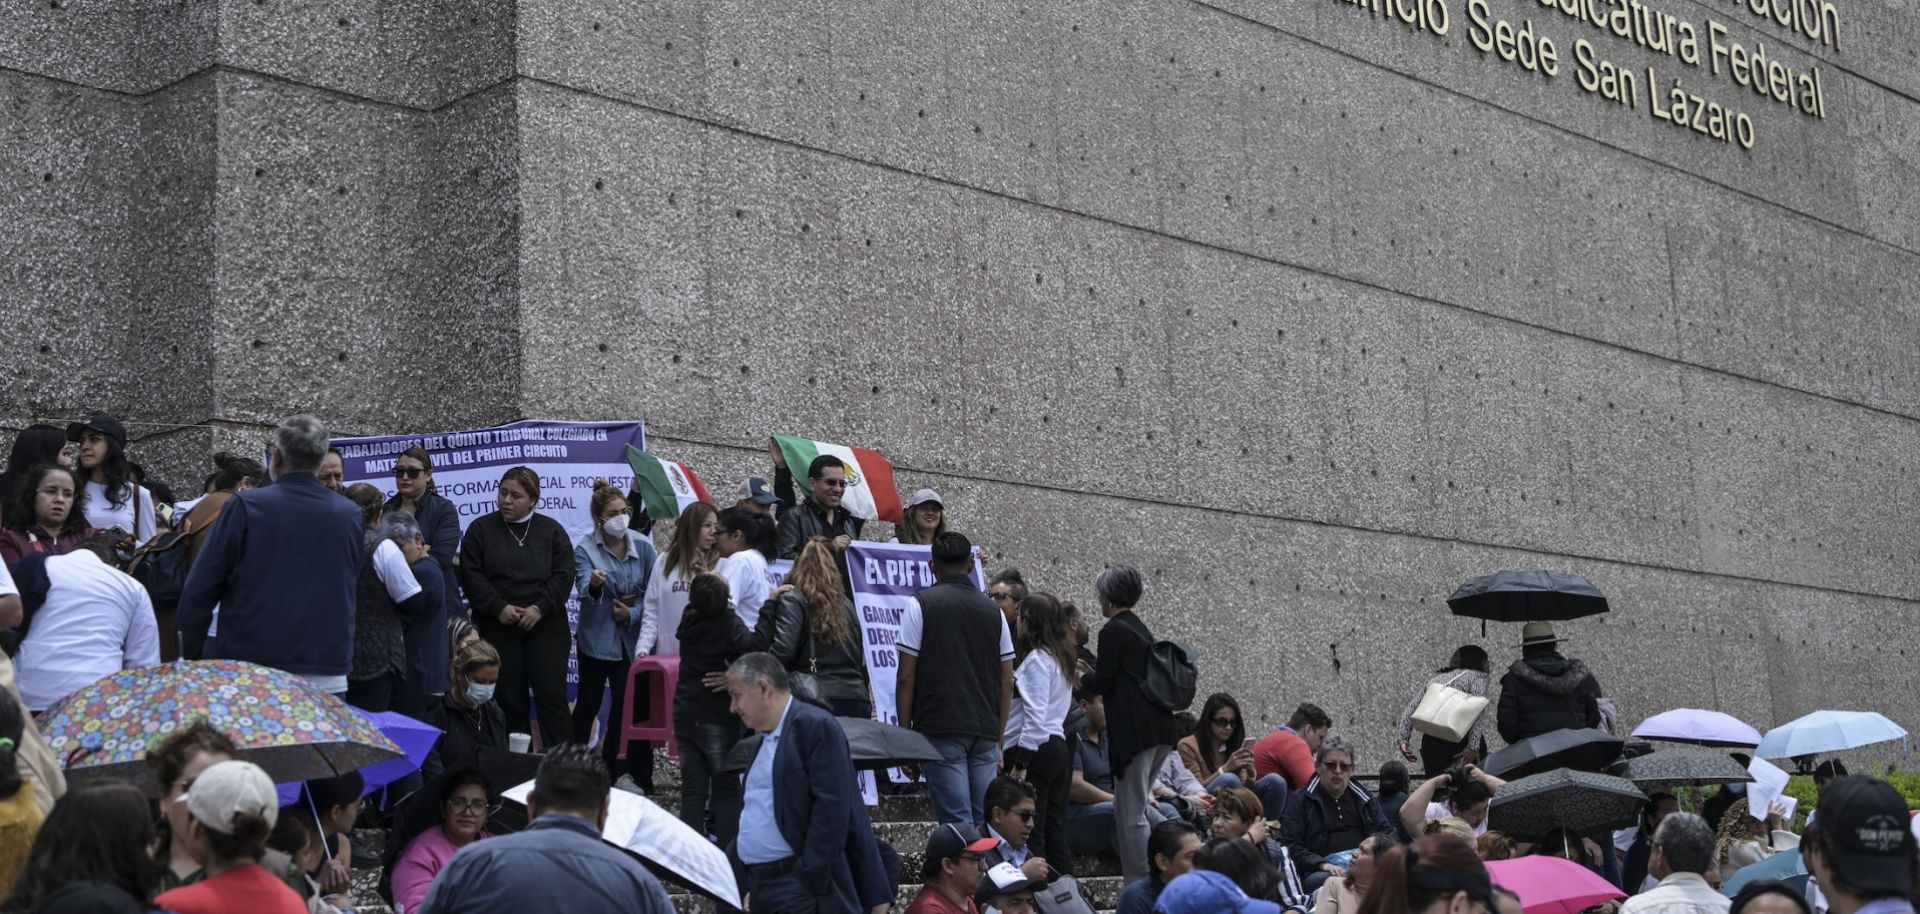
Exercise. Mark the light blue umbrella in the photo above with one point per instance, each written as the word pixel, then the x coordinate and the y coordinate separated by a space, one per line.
pixel 1829 731
pixel 1785 866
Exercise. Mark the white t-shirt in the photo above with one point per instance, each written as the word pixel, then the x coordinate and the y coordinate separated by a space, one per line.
pixel 746 574
pixel 390 566
pixel 103 514
pixel 661 609
pixel 913 628
pixel 96 622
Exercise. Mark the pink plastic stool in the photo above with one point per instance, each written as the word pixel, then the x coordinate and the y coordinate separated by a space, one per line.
pixel 657 724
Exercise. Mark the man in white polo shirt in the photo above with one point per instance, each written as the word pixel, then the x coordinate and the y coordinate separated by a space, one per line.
pixel 90 621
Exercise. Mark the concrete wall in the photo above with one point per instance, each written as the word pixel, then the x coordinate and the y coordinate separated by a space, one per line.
pixel 1310 315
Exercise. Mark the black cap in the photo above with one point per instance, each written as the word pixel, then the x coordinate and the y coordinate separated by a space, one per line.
pixel 951 840
pixel 1869 843
pixel 102 423
pixel 952 547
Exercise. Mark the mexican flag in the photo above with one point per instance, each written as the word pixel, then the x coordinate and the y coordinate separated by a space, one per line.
pixel 668 486
pixel 870 492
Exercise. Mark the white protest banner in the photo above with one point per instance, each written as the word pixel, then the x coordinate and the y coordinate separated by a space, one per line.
pixel 885 577
pixel 467 467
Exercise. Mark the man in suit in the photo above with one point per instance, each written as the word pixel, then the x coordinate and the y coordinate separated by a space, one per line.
pixel 805 844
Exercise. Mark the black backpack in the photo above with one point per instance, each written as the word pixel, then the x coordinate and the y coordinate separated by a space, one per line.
pixel 1172 676
pixel 161 566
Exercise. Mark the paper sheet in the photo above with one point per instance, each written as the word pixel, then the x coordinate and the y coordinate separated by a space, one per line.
pixel 1768 787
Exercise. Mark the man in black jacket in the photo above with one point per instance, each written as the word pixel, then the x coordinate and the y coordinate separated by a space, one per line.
pixel 1543 691
pixel 1139 734
pixel 821 514
pixel 1330 815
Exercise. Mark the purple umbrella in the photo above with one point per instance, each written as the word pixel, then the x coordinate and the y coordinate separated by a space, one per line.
pixel 1701 728
pixel 414 738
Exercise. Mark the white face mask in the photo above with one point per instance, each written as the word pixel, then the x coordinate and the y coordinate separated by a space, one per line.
pixel 615 525
pixel 480 692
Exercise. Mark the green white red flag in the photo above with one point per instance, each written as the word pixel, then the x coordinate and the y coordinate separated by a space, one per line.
pixel 668 486
pixel 870 493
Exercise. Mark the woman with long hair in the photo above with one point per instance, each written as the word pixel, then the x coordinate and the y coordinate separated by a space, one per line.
pixel 810 627
pixel 1035 744
pixel 1217 751
pixel 1346 894
pixel 690 553
pixel 48 514
pixel 36 444
pixel 1742 840
pixel 926 518
pixel 91 855
pixel 1436 874
pixel 232 474
pixel 113 498
pixel 1467 671
pixel 467 716
pixel 610 566
pixel 516 566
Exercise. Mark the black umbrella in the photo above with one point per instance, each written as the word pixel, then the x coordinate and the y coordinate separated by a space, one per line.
pixel 1670 768
pixel 874 745
pixel 1527 596
pixel 1584 750
pixel 1579 801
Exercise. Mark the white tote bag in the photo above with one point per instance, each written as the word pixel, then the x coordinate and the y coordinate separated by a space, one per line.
pixel 1446 712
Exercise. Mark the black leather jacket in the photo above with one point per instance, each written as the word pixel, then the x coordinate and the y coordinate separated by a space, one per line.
pixel 805 521
pixel 783 632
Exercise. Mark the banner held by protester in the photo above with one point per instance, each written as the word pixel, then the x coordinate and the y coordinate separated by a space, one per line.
pixel 885 577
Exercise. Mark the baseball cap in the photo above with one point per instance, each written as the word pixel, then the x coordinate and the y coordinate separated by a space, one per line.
pixel 1208 892
pixel 1866 824
pixel 1004 879
pixel 102 423
pixel 229 789
pixel 925 496
pixel 755 488
pixel 952 840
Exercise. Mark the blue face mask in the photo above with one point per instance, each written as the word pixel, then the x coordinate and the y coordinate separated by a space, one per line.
pixel 1737 789
pixel 480 692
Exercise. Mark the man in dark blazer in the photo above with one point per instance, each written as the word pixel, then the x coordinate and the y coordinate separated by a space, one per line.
pixel 805 843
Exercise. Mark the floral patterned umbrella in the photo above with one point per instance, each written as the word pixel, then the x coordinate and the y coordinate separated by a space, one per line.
pixel 278 720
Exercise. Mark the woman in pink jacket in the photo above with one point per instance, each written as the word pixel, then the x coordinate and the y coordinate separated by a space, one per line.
pixel 465 802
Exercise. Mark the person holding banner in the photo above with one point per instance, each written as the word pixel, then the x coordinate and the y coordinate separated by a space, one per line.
pixel 671 580
pixel 611 566
pixel 516 566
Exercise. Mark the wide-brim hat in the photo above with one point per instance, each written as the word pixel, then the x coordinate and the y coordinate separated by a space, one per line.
pixel 1538 633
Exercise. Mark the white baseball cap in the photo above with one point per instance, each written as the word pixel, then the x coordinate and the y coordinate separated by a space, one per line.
pixel 229 789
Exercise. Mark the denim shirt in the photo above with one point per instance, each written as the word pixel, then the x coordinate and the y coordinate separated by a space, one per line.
pixel 598 636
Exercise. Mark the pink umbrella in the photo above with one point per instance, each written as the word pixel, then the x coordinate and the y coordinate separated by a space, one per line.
pixel 1551 885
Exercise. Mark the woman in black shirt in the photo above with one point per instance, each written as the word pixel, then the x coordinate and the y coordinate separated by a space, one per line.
pixel 516 567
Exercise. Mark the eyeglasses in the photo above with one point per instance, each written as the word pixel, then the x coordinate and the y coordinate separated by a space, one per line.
pixel 1001 597
pixel 1225 721
pixel 831 482
pixel 407 472
pixel 973 858
pixel 1337 766
pixel 57 493
pixel 463 804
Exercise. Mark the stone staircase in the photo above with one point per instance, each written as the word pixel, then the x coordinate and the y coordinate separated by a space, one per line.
pixel 901 820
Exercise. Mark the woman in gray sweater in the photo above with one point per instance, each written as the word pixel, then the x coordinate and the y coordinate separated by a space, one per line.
pixel 1466 671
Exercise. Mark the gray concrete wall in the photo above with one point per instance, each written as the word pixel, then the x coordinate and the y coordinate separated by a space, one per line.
pixel 1310 315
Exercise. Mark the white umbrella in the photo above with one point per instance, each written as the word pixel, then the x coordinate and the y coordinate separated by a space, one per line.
pixel 658 837
pixel 1829 731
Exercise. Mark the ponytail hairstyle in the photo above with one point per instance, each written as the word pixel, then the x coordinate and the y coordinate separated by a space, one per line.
pixel 371 502
pixel 247 843
pixel 230 470
pixel 13 724
pixel 1434 868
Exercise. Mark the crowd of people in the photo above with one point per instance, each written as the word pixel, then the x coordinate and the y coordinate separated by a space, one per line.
pixel 1051 746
